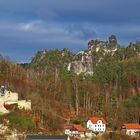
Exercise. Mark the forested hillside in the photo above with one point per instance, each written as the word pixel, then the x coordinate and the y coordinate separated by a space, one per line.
pixel 58 94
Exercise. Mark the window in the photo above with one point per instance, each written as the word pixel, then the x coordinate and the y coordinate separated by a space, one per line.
pixel 99 121
pixel 129 132
pixel 90 126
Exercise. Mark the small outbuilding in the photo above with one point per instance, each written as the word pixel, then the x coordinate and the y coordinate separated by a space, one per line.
pixel 78 130
pixel 132 129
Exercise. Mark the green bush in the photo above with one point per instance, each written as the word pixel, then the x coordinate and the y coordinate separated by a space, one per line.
pixel 78 121
pixel 1 119
pixel 22 121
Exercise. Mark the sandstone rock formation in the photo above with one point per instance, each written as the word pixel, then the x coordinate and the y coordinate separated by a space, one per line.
pixel 83 60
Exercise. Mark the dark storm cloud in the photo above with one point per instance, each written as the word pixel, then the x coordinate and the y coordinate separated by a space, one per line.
pixel 83 32
pixel 79 10
pixel 30 25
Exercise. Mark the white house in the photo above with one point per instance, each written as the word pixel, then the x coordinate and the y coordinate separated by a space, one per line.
pixel 96 124
pixel 132 129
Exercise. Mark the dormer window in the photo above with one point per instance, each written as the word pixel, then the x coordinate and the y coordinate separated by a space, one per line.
pixel 99 121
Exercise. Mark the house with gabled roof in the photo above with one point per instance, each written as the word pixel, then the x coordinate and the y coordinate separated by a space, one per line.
pixel 78 130
pixel 75 130
pixel 132 129
pixel 96 124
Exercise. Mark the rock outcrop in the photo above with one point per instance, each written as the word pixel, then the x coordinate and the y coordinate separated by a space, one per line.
pixel 82 63
pixel 49 61
pixel 83 60
pixel 105 46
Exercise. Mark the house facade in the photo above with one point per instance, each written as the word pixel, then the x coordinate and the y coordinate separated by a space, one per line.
pixel 96 124
pixel 78 130
pixel 132 129
pixel 75 131
pixel 67 130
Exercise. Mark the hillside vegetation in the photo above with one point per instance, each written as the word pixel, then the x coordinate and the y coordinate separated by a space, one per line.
pixel 59 95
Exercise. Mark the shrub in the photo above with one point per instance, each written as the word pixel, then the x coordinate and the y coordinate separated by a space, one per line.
pixel 21 121
pixel 53 121
pixel 78 121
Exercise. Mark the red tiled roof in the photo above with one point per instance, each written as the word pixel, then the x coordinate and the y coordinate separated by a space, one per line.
pixel 132 126
pixel 95 119
pixel 79 128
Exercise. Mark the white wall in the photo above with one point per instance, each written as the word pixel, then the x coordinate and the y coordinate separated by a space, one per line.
pixel 67 131
pixel 99 127
pixel 132 131
pixel 24 104
pixel 8 97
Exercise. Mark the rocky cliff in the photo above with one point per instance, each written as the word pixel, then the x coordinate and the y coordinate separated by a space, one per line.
pixel 83 60
pixel 81 63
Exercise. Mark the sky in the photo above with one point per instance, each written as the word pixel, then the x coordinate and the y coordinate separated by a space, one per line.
pixel 27 26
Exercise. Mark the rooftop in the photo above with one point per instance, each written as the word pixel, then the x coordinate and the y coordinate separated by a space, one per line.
pixel 43 137
pixel 95 119
pixel 79 128
pixel 131 126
